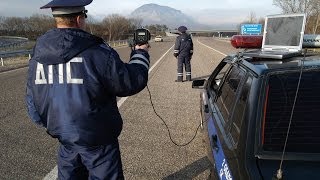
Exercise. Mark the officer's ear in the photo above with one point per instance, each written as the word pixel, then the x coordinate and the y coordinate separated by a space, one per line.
pixel 80 21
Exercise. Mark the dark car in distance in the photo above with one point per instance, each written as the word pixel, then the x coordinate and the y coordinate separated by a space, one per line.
pixel 261 117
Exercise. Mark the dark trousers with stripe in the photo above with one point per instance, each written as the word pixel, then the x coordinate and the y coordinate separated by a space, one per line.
pixel 184 61
pixel 94 163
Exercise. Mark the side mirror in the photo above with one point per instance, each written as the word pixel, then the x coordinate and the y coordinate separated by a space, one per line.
pixel 215 87
pixel 198 84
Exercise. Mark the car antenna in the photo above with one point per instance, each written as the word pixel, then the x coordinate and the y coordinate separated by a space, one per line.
pixel 279 174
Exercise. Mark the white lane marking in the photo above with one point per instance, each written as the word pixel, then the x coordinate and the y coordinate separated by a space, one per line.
pixel 211 48
pixel 155 64
pixel 53 174
pixel 122 100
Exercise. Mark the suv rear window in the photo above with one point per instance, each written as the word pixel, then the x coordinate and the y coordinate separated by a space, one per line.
pixel 304 135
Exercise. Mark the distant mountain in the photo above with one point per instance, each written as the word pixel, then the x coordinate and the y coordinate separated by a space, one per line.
pixel 156 14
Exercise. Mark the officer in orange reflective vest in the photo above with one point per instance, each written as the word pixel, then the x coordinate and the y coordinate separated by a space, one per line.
pixel 183 51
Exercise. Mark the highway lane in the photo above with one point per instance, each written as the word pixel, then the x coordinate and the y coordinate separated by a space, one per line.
pixel 148 152
pixel 28 153
pixel 222 45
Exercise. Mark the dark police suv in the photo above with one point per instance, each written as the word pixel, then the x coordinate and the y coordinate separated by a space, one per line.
pixel 261 115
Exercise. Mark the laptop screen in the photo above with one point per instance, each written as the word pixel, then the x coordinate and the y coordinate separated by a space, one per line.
pixel 284 32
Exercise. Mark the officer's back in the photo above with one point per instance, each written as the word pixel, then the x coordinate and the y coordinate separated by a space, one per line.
pixel 73 81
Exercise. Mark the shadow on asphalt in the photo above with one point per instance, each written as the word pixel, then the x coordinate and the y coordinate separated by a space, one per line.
pixel 201 77
pixel 190 171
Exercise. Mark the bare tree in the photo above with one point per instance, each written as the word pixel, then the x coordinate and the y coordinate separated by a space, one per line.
pixel 252 17
pixel 315 17
pixel 153 29
pixel 13 24
pixel 115 25
pixel 90 24
pixel 295 6
pixel 31 27
pixel 38 24
pixel 135 23
pixel 308 7
pixel 157 29
pixel 2 18
pixel 118 27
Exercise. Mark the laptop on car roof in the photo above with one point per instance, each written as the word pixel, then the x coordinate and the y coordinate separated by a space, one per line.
pixel 282 37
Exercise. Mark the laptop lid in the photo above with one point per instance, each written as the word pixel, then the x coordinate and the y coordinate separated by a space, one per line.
pixel 283 32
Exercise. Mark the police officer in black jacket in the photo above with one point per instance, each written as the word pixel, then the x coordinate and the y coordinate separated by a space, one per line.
pixel 74 78
pixel 183 50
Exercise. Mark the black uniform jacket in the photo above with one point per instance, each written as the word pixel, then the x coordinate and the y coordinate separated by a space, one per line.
pixel 183 45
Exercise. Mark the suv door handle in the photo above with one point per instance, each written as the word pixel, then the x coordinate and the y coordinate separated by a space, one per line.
pixel 214 143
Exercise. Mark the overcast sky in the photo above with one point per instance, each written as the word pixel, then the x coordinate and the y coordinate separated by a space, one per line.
pixel 205 11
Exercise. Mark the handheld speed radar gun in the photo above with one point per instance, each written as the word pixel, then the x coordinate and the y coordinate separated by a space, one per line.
pixel 141 36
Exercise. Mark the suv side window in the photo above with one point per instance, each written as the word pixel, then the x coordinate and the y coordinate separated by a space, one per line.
pixel 239 110
pixel 218 78
pixel 227 97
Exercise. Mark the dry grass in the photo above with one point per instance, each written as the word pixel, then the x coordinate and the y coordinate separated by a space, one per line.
pixel 14 63
pixel 315 50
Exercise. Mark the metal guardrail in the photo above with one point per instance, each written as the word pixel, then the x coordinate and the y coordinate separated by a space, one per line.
pixel 14 54
pixel 13 37
pixel 7 54
pixel 118 43
pixel 9 41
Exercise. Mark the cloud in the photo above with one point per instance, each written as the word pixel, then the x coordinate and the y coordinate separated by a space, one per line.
pixel 21 8
pixel 229 16
pixel 209 12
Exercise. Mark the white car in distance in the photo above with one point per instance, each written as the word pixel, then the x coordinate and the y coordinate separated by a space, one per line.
pixel 158 39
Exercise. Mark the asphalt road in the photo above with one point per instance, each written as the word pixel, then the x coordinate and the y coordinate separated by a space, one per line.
pixel 27 152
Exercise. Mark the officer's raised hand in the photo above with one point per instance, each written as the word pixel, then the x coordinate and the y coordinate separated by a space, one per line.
pixel 145 47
